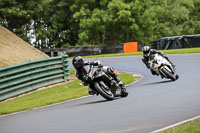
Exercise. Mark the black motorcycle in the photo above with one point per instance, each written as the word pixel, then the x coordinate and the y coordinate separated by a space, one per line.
pixel 103 84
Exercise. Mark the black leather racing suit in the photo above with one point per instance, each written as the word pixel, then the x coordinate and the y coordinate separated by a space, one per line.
pixel 106 69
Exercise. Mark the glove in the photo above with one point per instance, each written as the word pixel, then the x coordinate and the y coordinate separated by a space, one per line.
pixel 161 53
pixel 165 56
pixel 100 64
pixel 153 72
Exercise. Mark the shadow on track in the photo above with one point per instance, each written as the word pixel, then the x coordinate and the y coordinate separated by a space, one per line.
pixel 95 102
pixel 160 82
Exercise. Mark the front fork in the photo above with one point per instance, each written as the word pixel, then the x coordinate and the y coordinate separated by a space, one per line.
pixel 173 71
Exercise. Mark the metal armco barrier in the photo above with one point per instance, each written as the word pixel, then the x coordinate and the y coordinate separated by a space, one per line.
pixel 24 77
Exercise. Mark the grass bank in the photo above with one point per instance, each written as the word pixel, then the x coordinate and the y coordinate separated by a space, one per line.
pixel 51 95
pixel 188 127
pixel 173 51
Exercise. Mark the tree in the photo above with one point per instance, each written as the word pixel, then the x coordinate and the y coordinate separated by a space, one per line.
pixel 14 17
pixel 61 23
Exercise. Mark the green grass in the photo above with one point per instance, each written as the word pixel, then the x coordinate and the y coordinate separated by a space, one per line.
pixel 188 127
pixel 182 51
pixel 174 51
pixel 127 78
pixel 51 95
pixel 71 71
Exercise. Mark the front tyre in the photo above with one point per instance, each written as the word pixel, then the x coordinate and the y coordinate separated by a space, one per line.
pixel 104 90
pixel 168 74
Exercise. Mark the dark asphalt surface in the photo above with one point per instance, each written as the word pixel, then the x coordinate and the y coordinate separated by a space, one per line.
pixel 153 103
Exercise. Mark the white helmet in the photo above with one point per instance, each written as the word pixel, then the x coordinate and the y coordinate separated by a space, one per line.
pixel 146 51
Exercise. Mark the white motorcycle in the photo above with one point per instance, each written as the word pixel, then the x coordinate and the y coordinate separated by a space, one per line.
pixel 162 67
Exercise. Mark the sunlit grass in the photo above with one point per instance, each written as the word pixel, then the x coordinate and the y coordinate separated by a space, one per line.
pixel 51 95
pixel 188 127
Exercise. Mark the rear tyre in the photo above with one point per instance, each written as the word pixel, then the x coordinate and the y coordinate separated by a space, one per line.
pixel 104 92
pixel 124 92
pixel 177 76
pixel 168 74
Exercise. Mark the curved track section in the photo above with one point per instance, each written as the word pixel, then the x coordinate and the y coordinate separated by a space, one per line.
pixel 152 103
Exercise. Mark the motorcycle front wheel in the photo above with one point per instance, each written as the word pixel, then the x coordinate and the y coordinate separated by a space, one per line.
pixel 104 90
pixel 168 74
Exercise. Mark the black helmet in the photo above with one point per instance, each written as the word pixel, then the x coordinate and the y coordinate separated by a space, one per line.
pixel 77 62
pixel 146 51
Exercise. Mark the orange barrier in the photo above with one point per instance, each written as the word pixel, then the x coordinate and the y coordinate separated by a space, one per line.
pixel 130 47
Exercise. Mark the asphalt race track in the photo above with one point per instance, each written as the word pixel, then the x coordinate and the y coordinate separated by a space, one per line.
pixel 153 103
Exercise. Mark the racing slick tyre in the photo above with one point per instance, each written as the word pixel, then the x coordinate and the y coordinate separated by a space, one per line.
pixel 177 76
pixel 168 74
pixel 124 92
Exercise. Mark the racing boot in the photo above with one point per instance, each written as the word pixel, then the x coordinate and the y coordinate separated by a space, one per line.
pixel 153 72
pixel 111 72
pixel 116 78
pixel 91 92
pixel 124 93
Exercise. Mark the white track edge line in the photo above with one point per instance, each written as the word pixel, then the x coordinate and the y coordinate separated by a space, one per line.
pixel 176 124
pixel 65 101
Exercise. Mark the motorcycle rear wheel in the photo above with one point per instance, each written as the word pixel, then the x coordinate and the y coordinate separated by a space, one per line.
pixel 124 92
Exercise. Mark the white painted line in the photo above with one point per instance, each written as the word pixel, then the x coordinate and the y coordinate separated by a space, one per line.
pixel 63 101
pixel 176 124
pixel 139 75
pixel 46 106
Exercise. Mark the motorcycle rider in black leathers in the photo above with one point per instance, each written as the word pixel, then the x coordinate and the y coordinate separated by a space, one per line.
pixel 146 54
pixel 79 64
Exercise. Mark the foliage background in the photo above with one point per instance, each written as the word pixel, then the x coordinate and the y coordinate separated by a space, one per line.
pixel 64 23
